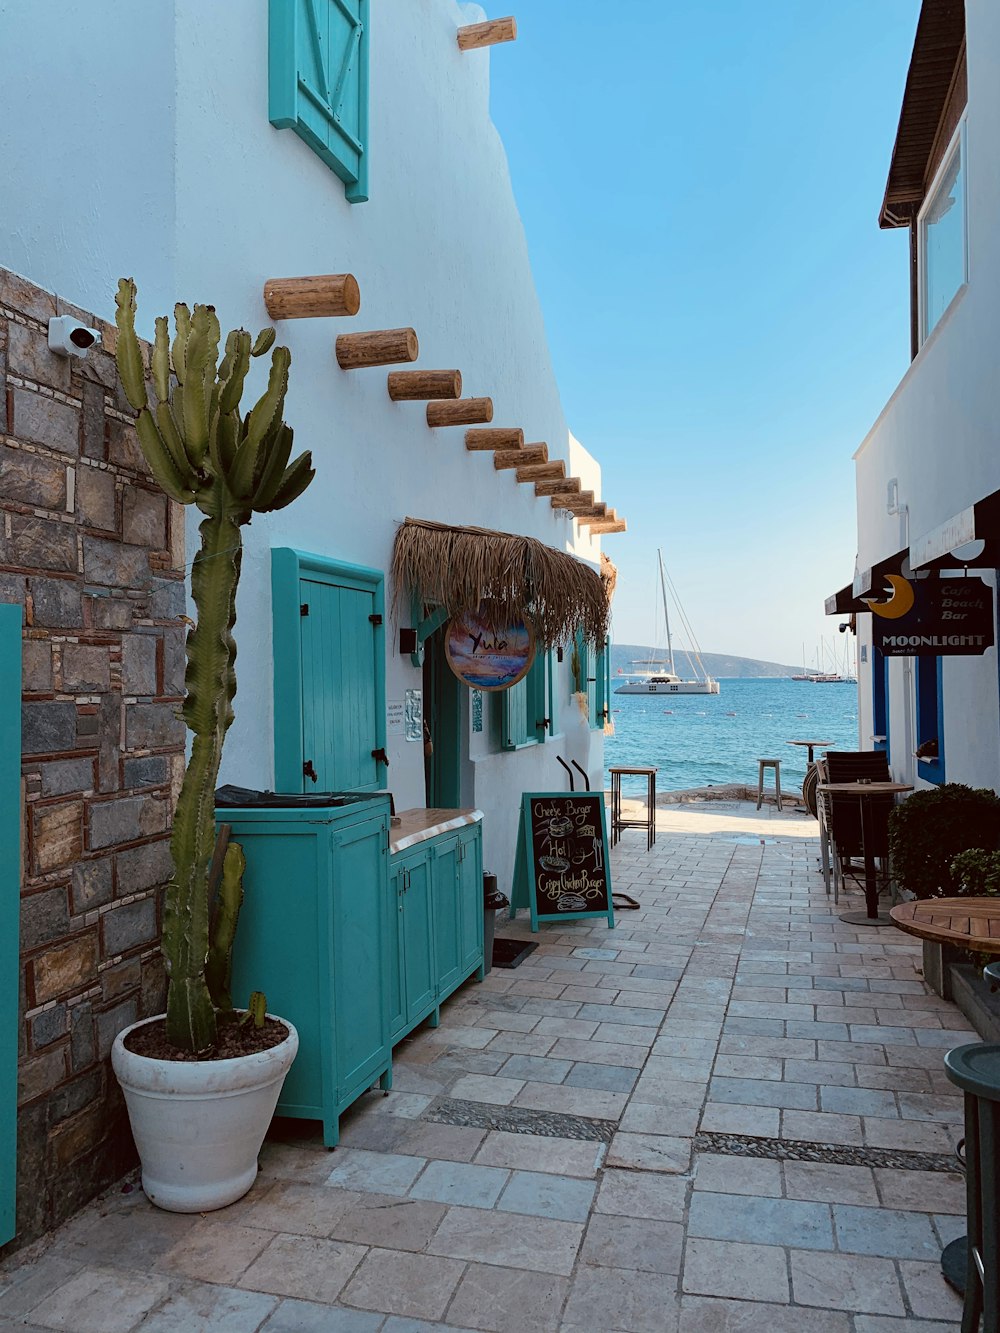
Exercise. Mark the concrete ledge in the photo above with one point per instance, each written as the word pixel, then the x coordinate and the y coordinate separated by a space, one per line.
pixel 973 996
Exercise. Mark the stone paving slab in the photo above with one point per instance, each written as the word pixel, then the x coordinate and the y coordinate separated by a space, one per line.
pixel 726 1115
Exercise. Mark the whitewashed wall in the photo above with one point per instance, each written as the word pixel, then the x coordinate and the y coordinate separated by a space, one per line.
pixel 153 125
pixel 938 434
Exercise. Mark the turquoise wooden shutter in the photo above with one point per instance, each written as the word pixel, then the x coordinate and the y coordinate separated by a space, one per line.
pixel 318 82
pixel 523 712
pixel 602 687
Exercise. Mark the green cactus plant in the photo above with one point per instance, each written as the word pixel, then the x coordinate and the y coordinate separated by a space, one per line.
pixel 202 451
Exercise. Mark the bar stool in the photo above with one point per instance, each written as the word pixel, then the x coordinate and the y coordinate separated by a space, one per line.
pixel 761 765
pixel 617 822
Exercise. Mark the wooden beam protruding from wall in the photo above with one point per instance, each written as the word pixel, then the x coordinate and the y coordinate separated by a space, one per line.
pixel 607 516
pixel 583 500
pixel 499 438
pixel 564 486
pixel 542 471
pixel 597 510
pixel 474 35
pixel 531 453
pixel 383 347
pixel 609 525
pixel 407 386
pixel 313 297
pixel 462 412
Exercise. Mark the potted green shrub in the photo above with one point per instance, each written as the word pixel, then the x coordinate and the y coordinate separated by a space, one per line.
pixel 931 828
pixel 977 872
pixel 200 1081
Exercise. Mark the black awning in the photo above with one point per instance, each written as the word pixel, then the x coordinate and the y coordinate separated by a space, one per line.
pixel 869 581
pixel 844 603
pixel 980 522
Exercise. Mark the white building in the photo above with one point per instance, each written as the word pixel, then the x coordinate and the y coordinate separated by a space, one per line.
pixel 928 472
pixel 150 150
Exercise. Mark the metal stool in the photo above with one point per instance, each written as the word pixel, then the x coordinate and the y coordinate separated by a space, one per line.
pixel 761 765
pixel 976 1070
pixel 617 822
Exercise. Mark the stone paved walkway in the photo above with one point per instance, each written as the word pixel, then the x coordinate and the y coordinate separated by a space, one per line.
pixel 629 1067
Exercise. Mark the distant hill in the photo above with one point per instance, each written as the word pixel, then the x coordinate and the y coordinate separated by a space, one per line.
pixel 716 664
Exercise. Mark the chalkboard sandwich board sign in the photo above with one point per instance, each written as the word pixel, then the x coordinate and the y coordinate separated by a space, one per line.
pixel 561 871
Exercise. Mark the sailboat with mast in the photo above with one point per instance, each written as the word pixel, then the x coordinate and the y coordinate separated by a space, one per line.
pixel 659 676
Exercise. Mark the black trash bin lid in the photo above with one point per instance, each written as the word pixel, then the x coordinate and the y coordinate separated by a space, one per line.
pixel 245 798
pixel 976 1068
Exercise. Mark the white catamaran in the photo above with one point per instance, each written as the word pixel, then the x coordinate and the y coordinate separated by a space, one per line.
pixel 660 676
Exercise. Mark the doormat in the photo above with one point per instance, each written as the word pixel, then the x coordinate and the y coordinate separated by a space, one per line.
pixel 511 953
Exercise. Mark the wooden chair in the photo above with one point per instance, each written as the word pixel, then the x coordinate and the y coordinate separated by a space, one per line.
pixel 843 813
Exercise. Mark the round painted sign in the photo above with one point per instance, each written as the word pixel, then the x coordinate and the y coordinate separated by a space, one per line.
pixel 487 658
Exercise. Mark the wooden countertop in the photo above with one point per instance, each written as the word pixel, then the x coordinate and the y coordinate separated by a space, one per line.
pixel 416 826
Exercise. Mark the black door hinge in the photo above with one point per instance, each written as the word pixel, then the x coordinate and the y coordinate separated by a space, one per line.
pixel 309 772
pixel 304 609
pixel 380 757
pixel 543 722
pixel 376 619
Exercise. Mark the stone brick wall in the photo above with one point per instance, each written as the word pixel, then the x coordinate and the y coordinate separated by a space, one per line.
pixel 93 551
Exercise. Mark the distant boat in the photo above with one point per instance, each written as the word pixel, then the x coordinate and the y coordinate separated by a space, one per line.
pixel 659 675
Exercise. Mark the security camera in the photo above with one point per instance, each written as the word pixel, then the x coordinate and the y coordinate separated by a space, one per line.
pixel 69 337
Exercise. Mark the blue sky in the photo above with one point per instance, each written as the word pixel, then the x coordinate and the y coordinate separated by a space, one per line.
pixel 700 185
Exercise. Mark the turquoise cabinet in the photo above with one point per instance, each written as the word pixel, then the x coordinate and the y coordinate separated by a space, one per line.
pixel 351 945
pixel 313 938
pixel 436 941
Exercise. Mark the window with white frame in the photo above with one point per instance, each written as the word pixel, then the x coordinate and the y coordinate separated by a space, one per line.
pixel 943 237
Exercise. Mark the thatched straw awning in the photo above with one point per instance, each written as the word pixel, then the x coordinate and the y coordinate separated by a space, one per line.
pixel 512 576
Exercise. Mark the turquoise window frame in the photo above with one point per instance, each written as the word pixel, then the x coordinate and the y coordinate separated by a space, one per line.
pixel 294 105
pixel 529 696
pixel 288 567
pixel 928 677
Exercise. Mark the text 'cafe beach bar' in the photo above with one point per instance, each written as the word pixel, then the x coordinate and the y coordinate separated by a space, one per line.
pixel 505 641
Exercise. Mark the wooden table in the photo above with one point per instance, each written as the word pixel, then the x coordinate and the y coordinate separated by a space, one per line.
pixel 811 746
pixel 617 822
pixel 971 923
pixel 864 791
pixel 809 782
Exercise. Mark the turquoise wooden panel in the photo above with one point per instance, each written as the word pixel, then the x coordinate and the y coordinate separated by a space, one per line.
pixel 602 688
pixel 322 668
pixel 10 903
pixel 286 880
pixel 447 906
pixel 318 61
pixel 419 953
pixel 523 708
pixel 360 871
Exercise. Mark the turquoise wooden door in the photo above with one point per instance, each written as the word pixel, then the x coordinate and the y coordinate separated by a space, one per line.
pixel 447 913
pixel 470 890
pixel 359 969
pixel 10 902
pixel 395 958
pixel 418 948
pixel 339 717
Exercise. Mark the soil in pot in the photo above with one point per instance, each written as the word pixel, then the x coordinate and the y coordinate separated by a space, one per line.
pixel 234 1040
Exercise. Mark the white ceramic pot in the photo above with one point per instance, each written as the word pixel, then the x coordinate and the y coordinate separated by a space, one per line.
pixel 199 1124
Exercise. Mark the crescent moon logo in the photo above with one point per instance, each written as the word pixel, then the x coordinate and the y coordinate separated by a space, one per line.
pixel 899 603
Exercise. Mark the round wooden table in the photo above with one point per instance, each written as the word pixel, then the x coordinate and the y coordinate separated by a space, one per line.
pixel 971 923
pixel 865 791
pixel 811 745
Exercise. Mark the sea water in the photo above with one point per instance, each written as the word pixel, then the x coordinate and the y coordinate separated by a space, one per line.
pixel 698 740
